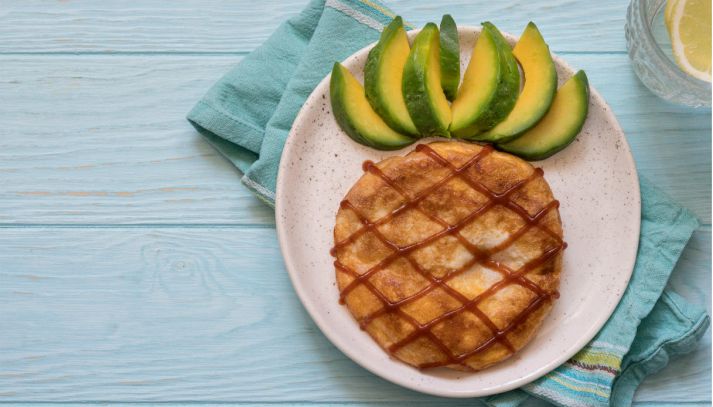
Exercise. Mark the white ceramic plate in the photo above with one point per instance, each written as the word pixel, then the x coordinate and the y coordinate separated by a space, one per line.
pixel 594 178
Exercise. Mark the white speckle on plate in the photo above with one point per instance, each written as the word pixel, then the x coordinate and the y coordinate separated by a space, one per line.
pixel 594 178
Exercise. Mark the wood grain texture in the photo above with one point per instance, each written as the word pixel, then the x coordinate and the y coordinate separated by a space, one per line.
pixel 104 140
pixel 240 26
pixel 202 314
pixel 428 403
pixel 134 267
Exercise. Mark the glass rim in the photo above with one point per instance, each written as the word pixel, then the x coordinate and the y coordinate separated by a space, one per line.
pixel 671 65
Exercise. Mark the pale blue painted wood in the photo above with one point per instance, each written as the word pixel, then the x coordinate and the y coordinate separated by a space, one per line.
pixel 202 314
pixel 239 26
pixel 99 139
pixel 415 403
pixel 76 131
pixel 92 133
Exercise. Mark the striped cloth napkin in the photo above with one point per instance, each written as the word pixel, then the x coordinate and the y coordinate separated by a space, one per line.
pixel 247 116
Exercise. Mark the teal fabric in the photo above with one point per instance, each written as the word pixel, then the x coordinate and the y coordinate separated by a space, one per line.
pixel 253 106
pixel 247 116
pixel 649 325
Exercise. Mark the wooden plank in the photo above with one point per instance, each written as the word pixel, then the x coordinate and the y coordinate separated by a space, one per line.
pixel 428 403
pixel 103 140
pixel 200 314
pixel 225 26
pixel 418 403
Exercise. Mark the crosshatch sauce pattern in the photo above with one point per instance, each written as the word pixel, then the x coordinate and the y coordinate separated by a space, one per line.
pixel 484 257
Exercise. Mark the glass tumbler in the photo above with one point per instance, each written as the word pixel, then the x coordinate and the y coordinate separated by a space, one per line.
pixel 651 55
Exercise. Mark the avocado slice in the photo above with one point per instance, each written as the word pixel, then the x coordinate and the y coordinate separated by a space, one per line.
pixel 383 74
pixel 489 88
pixel 355 115
pixel 540 85
pixel 427 104
pixel 450 57
pixel 560 125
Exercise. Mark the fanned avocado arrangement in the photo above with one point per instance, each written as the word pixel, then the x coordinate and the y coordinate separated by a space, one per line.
pixel 414 90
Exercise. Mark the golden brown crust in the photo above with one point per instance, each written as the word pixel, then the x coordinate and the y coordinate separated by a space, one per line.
pixel 428 249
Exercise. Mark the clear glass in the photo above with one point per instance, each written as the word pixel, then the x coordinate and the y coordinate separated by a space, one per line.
pixel 650 52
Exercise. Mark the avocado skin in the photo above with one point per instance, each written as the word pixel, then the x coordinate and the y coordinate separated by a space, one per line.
pixel 507 91
pixel 450 57
pixel 497 136
pixel 467 128
pixel 583 82
pixel 371 77
pixel 337 93
pixel 415 85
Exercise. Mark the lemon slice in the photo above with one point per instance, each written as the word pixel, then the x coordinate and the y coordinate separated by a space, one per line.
pixel 689 26
pixel 668 11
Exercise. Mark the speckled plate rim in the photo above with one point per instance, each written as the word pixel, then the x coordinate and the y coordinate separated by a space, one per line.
pixel 376 367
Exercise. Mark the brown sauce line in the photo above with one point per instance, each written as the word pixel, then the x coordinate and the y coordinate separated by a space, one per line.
pixel 411 320
pixel 388 306
pixel 392 305
pixel 372 226
pixel 459 359
pixel 370 166
pixel 532 307
pixel 402 251
pixel 420 293
pixel 523 213
pixel 518 275
pixel 493 328
pixel 361 278
pixel 485 190
pixel 531 223
pixel 459 297
pixel 422 329
pixel 507 280
pixel 441 345
pixel 434 282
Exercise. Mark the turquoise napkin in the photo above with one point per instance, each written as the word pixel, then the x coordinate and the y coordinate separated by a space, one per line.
pixel 247 116
pixel 649 326
pixel 248 113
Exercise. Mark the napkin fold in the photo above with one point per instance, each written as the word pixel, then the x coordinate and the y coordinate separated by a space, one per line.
pixel 649 326
pixel 247 116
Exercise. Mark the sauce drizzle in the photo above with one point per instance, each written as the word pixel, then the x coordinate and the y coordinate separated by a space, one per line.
pixel 484 257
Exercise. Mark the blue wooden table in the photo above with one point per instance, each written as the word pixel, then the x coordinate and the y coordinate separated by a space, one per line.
pixel 134 267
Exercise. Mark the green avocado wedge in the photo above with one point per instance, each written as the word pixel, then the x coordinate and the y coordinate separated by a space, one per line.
pixel 540 85
pixel 383 74
pixel 489 88
pixel 427 104
pixel 559 127
pixel 356 117
pixel 450 57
